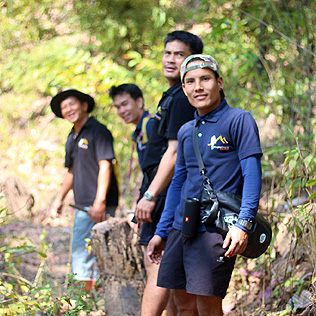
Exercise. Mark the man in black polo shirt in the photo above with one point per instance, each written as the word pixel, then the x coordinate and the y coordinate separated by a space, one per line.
pixel 159 160
pixel 89 155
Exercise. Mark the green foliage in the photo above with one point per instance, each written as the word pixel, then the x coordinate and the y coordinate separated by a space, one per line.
pixel 266 52
pixel 19 296
pixel 121 28
pixel 299 181
pixel 27 22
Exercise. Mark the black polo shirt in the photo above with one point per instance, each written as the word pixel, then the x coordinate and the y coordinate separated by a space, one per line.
pixel 179 112
pixel 83 152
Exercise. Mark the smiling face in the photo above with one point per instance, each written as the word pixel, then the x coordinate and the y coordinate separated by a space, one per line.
pixel 174 55
pixel 128 109
pixel 202 88
pixel 74 111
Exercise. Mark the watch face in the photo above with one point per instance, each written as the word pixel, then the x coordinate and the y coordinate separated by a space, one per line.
pixel 245 223
pixel 147 196
pixel 248 225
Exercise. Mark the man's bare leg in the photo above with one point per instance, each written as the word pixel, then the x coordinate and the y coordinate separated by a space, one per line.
pixel 186 303
pixel 209 305
pixel 155 298
pixel 171 309
pixel 197 305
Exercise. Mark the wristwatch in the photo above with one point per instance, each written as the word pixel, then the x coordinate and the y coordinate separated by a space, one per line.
pixel 247 223
pixel 148 196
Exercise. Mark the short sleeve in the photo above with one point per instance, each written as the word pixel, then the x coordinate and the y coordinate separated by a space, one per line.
pixel 69 149
pixel 246 136
pixel 103 143
pixel 181 112
pixel 180 154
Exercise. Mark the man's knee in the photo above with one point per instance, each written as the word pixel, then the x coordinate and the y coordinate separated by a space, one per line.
pixel 209 305
pixel 184 301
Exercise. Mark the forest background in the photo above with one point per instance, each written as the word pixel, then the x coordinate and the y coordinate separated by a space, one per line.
pixel 266 52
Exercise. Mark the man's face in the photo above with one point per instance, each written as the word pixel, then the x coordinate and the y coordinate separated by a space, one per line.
pixel 174 55
pixel 202 88
pixel 73 110
pixel 128 109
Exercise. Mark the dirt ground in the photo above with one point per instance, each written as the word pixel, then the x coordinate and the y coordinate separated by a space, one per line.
pixel 54 241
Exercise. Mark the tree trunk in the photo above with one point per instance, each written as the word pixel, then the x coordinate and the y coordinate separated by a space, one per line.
pixel 120 264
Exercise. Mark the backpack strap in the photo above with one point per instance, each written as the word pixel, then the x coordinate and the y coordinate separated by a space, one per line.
pixel 144 139
pixel 163 109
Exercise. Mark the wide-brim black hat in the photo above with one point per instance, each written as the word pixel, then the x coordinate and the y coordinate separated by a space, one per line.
pixel 63 95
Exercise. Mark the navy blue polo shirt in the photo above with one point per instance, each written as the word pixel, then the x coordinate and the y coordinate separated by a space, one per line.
pixel 226 136
pixel 83 152
pixel 141 137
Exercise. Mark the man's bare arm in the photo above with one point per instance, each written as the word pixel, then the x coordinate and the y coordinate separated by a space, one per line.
pixel 66 186
pixel 97 212
pixel 162 179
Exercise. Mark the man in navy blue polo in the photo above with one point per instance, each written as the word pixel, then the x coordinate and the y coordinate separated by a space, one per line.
pixel 199 269
pixel 89 156
pixel 129 103
pixel 172 112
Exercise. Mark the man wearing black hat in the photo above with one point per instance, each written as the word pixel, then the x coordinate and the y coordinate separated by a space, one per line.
pixel 89 155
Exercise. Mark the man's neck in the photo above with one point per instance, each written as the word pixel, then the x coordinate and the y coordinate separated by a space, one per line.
pixel 140 116
pixel 78 125
pixel 172 82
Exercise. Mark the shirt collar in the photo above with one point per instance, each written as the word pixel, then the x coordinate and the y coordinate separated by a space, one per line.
pixel 214 115
pixel 172 88
pixel 88 123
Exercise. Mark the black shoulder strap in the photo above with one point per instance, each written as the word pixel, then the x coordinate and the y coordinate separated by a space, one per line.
pixel 198 155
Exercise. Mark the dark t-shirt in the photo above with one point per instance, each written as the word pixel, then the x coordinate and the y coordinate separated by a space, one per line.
pixel 93 143
pixel 173 110
pixel 179 112
pixel 142 134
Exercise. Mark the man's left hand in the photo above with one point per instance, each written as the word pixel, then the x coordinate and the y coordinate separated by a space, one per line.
pixel 237 240
pixel 97 212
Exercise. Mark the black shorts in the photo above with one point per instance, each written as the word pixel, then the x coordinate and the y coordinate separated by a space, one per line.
pixel 196 265
pixel 148 229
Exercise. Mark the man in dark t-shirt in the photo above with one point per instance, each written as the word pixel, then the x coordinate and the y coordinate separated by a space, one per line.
pixel 159 159
pixel 89 155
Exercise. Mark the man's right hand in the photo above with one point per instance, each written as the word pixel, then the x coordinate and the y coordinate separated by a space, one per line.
pixel 56 208
pixel 154 249
pixel 144 208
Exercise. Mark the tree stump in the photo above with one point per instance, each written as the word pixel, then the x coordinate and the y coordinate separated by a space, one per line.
pixel 120 263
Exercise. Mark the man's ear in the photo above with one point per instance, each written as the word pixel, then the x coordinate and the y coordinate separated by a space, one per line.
pixel 183 88
pixel 140 102
pixel 220 82
pixel 85 106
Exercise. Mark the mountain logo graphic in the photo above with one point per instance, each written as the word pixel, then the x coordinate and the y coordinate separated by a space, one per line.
pixel 219 142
